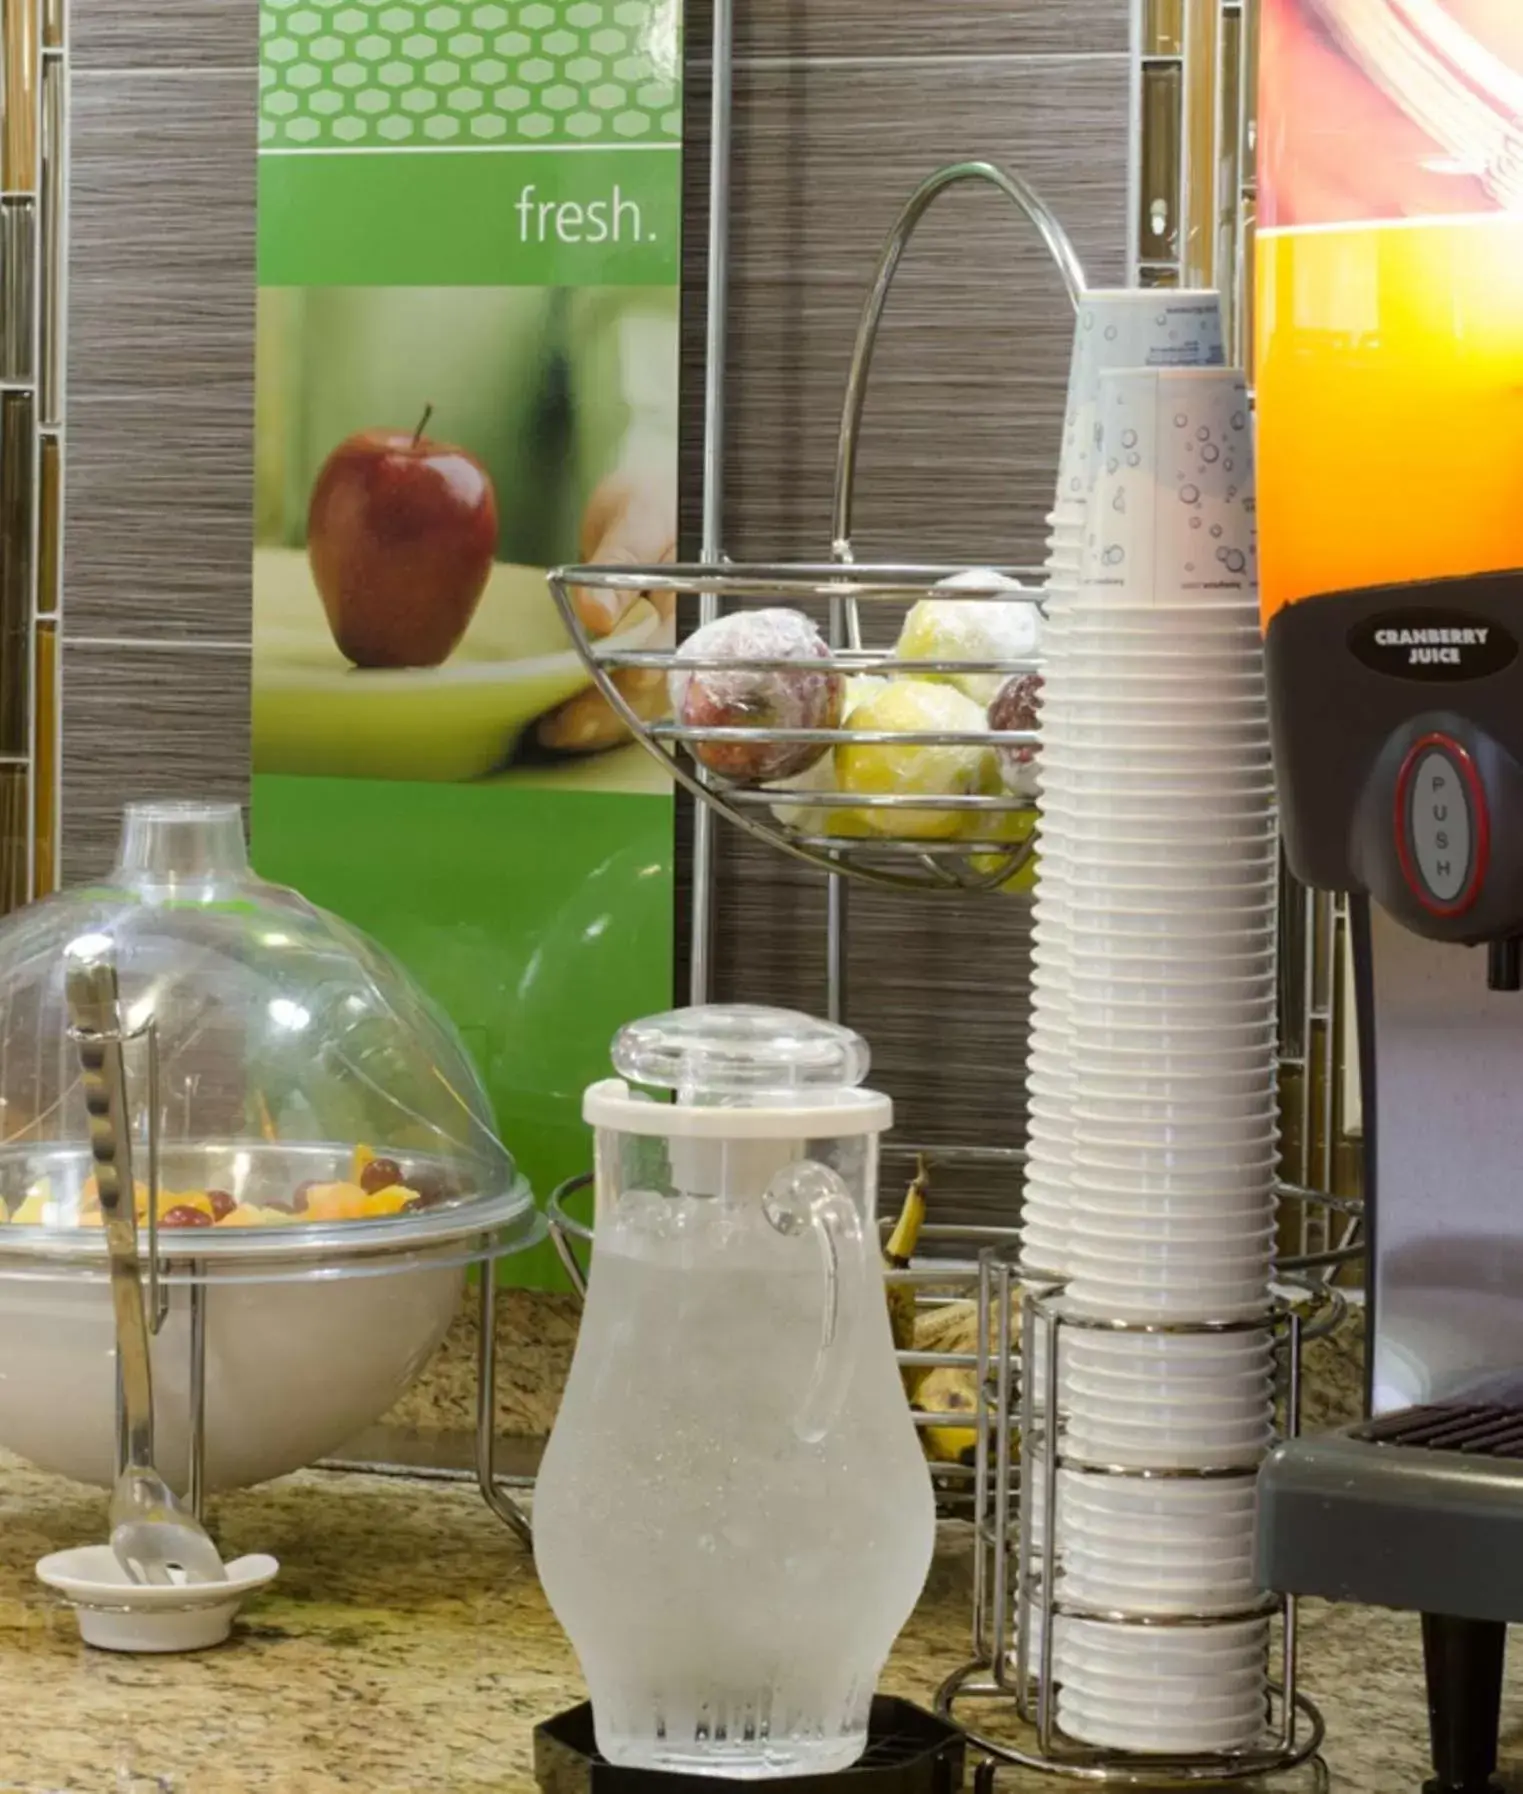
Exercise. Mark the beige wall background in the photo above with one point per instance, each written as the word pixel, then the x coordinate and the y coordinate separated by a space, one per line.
pixel 841 107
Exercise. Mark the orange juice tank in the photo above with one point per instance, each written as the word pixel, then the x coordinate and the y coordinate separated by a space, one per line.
pixel 1389 376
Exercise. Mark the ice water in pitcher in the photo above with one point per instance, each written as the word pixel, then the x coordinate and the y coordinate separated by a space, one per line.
pixel 734 1518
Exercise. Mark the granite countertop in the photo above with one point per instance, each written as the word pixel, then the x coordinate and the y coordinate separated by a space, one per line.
pixel 406 1646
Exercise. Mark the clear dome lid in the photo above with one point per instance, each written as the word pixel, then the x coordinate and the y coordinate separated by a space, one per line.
pixel 295 1097
pixel 733 1054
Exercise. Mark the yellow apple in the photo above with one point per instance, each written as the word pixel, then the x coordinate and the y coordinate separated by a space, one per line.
pixel 908 769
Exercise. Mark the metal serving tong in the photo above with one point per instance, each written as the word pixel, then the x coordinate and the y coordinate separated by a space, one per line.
pixel 154 1538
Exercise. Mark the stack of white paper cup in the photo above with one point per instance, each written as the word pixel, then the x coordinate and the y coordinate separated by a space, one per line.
pixel 1103 1700
pixel 1126 329
pixel 1155 955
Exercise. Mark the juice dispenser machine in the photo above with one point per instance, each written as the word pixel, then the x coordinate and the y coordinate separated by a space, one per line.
pixel 1389 371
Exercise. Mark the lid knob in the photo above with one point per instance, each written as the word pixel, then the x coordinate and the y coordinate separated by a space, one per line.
pixel 164 843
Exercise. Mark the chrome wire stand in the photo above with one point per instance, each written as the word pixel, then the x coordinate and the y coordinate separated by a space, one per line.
pixel 987 840
pixel 1003 1670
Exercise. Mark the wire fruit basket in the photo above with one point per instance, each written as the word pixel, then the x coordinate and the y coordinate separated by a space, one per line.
pixel 962 840
pixel 967 833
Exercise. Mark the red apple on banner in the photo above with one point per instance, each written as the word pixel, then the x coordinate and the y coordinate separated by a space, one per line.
pixel 401 535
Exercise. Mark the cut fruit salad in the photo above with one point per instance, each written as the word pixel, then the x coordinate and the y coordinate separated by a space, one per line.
pixel 376 1187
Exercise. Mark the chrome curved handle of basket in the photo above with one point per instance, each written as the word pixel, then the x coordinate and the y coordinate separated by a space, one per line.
pixel 1025 199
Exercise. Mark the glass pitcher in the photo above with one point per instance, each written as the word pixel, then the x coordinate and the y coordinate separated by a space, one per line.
pixel 734 1518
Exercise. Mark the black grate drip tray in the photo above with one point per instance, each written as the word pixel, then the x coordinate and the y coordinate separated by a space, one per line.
pixel 1420 1509
pixel 1477 1429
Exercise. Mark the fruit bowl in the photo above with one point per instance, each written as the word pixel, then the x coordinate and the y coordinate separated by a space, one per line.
pixel 311 1150
pixel 312 1328
pixel 903 768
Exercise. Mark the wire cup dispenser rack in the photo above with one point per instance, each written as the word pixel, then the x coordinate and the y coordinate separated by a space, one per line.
pixel 987 843
pixel 1016 1593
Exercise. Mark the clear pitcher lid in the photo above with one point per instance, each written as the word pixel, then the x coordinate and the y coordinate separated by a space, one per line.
pixel 734 1054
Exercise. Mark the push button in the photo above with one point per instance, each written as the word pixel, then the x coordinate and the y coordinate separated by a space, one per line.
pixel 1439 821
pixel 1442 832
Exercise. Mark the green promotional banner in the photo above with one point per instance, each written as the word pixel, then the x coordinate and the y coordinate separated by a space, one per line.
pixel 469 236
pixel 556 215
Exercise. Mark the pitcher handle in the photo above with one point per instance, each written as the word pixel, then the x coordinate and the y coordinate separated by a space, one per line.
pixel 809 1194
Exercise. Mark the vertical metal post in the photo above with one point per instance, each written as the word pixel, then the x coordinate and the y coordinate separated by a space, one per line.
pixel 1200 129
pixel 1024 1541
pixel 982 1522
pixel 195 1478
pixel 1045 1705
pixel 836 900
pixel 1288 1633
pixel 701 969
pixel 1308 1055
pixel 837 897
pixel 486 1408
pixel 158 1295
pixel 1248 189
pixel 1000 1627
pixel 1225 192
pixel 121 1417
pixel 1328 1108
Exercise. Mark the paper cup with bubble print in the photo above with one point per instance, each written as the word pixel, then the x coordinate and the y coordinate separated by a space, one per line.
pixel 1171 516
pixel 1125 329
pixel 1133 328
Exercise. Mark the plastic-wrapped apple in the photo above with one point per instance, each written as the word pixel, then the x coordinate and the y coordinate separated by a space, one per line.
pixel 902 768
pixel 860 687
pixel 808 819
pixel 1015 706
pixel 974 629
pixel 742 698
pixel 828 819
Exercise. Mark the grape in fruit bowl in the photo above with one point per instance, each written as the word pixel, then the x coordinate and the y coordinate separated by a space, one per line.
pixel 1015 707
pixel 956 769
pixel 742 698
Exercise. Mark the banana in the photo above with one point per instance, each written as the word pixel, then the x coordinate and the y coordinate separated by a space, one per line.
pixel 948 1392
pixel 896 1257
pixel 953 1327
pixel 951 1389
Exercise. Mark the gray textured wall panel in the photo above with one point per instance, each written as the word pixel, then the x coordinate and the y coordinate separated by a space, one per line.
pixel 146 722
pixel 862 28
